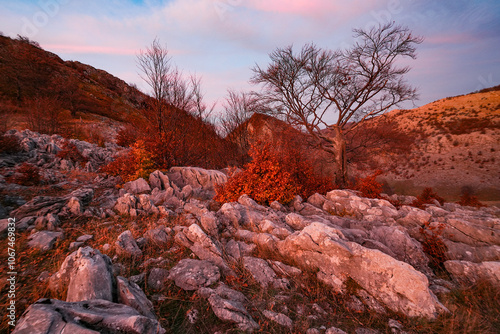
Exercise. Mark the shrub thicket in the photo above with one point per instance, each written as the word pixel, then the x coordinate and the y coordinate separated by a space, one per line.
pixel 272 176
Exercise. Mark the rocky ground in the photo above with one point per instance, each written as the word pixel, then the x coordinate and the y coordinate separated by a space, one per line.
pixel 159 255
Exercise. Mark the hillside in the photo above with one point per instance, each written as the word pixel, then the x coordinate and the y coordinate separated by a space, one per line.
pixel 30 74
pixel 457 140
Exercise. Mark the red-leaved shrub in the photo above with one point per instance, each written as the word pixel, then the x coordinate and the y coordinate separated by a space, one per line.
pixel 468 199
pixel 134 164
pixel 9 144
pixel 369 186
pixel 272 176
pixel 28 175
pixel 427 197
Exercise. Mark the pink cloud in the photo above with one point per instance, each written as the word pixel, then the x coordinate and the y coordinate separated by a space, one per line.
pixel 442 39
pixel 67 48
pixel 315 8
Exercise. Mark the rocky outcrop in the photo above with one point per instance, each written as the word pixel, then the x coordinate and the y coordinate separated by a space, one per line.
pixel 43 205
pixel 396 284
pixel 196 177
pixel 51 316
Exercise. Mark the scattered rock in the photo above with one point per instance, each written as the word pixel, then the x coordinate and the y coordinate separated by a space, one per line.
pixel 44 240
pixel 190 274
pixel 131 294
pixel 264 274
pixel 127 246
pixel 279 318
pixel 157 278
pixel 468 272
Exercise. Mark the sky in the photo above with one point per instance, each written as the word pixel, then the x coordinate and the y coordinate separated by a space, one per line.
pixel 221 40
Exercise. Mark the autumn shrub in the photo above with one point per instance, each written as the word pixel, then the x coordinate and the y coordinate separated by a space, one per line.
pixel 433 244
pixel 27 175
pixel 369 186
pixel 127 136
pixel 70 152
pixel 9 144
pixel 467 198
pixel 134 164
pixel 427 197
pixel 264 179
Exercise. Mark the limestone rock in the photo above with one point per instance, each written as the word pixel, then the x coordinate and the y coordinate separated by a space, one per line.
pixel 139 186
pixel 279 318
pixel 127 246
pixel 157 278
pixel 159 180
pixel 264 274
pixel 196 177
pixel 131 294
pixel 468 272
pixel 228 305
pixel 190 274
pixel 394 283
pixel 51 316
pixel 44 240
pixel 86 274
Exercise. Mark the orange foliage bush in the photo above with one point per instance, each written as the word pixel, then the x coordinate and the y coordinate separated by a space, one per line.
pixel 271 177
pixel 427 197
pixel 134 164
pixel 369 186
pixel 70 152
pixel 9 144
pixel 29 175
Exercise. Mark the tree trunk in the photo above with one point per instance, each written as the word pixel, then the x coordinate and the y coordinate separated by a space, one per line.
pixel 340 158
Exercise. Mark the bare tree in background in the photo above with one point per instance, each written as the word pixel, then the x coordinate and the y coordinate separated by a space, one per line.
pixel 171 90
pixel 350 85
pixel 154 64
pixel 238 108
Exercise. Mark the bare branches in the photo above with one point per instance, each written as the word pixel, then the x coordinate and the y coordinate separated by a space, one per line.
pixel 353 85
pixel 154 64
pixel 170 89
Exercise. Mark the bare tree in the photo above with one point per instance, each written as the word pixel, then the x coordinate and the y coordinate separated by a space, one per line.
pixel 238 109
pixel 154 64
pixel 350 85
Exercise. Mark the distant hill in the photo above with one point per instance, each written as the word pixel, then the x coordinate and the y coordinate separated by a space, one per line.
pixel 457 145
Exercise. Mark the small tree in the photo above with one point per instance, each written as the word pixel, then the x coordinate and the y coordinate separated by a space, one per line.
pixel 354 84
pixel 154 64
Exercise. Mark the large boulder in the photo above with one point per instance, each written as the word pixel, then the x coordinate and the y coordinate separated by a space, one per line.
pixel 51 316
pixel 394 283
pixel 85 274
pixel 196 177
